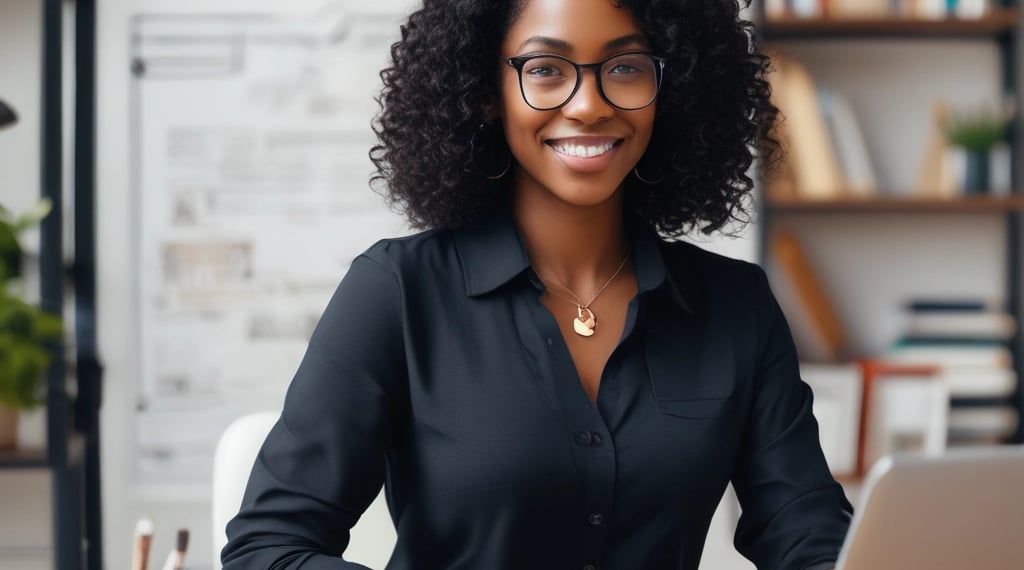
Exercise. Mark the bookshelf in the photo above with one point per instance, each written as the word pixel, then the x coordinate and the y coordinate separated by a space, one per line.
pixel 998 21
pixel 862 39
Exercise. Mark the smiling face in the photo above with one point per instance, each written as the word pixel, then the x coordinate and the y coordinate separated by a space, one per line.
pixel 580 153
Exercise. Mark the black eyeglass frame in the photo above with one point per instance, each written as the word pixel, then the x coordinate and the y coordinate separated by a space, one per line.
pixel 519 61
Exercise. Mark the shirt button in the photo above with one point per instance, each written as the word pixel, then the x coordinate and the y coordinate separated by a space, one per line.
pixel 596 440
pixel 595 519
pixel 550 342
pixel 584 438
pixel 590 567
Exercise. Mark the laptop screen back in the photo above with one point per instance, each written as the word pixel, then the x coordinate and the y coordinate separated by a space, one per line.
pixel 964 510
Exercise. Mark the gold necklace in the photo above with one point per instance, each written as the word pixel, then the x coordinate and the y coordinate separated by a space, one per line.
pixel 586 321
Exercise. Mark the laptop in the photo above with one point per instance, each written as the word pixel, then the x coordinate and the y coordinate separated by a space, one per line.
pixel 961 511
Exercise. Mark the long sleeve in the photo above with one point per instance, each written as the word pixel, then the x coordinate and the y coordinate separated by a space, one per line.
pixel 324 461
pixel 795 516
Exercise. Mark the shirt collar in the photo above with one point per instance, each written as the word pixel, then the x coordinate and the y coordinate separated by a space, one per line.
pixel 492 254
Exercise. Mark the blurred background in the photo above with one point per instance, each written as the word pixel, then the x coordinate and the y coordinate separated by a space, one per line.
pixel 208 198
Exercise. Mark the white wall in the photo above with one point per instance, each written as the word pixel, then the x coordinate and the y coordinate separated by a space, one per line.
pixel 20 40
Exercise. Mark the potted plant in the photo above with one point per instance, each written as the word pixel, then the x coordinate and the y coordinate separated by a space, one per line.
pixel 975 135
pixel 24 329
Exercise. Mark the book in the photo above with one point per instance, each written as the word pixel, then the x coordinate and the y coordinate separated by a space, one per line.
pixel 955 356
pixel 951 305
pixel 975 324
pixel 982 424
pixel 936 175
pixel 806 8
pixel 858 8
pixel 972 8
pixel 807 298
pixel 980 382
pixel 775 8
pixel 931 9
pixel 803 133
pixel 912 340
pixel 848 141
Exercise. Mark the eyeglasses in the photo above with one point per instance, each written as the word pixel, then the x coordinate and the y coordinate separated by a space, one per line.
pixel 627 81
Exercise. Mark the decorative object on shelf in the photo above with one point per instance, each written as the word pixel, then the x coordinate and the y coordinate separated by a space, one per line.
pixel 24 329
pixel 975 137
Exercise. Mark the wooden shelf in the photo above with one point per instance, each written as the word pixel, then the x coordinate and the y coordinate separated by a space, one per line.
pixel 998 21
pixel 37 458
pixel 24 458
pixel 958 205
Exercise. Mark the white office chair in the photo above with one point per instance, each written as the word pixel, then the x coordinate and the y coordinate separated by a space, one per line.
pixel 373 537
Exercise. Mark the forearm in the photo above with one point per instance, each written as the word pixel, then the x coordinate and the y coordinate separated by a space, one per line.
pixel 286 558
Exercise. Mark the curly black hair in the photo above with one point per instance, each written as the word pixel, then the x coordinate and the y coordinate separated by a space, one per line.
pixel 713 115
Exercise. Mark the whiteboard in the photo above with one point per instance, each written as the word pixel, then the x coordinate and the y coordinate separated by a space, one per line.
pixel 250 175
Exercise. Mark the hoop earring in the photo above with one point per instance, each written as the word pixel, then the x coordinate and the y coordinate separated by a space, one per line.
pixel 483 128
pixel 646 181
pixel 636 172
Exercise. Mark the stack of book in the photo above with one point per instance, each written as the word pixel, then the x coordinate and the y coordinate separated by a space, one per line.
pixel 969 341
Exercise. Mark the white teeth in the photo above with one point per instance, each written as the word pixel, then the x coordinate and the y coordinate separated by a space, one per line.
pixel 583 151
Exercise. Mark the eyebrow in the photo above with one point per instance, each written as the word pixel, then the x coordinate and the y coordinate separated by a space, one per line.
pixel 565 46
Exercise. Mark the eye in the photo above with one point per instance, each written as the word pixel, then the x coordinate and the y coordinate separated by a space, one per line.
pixel 548 69
pixel 541 71
pixel 623 68
pixel 628 68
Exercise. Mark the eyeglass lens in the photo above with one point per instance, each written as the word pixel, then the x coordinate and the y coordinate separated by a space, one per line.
pixel 629 81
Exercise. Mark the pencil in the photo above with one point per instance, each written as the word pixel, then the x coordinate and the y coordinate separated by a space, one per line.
pixel 140 548
pixel 176 559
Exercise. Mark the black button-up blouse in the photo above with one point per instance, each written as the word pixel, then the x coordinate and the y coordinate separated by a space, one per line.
pixel 437 372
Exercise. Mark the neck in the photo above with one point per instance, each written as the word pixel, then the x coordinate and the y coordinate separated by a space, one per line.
pixel 579 248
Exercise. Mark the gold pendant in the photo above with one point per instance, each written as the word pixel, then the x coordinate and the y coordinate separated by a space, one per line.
pixel 585 322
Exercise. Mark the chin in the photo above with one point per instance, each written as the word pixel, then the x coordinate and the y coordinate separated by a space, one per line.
pixel 586 194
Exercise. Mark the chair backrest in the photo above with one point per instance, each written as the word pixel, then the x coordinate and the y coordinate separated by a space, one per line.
pixel 372 539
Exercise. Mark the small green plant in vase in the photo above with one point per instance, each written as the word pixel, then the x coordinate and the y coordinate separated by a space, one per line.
pixel 976 134
pixel 24 328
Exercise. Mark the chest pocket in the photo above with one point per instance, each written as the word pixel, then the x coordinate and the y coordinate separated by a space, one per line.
pixel 693 375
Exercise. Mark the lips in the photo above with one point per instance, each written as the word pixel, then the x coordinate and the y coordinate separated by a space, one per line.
pixel 589 154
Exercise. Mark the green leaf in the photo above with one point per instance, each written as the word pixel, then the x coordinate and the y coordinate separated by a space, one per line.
pixel 24 329
pixel 10 252
pixel 34 216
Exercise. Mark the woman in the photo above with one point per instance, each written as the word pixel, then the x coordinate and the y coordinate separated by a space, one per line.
pixel 540 380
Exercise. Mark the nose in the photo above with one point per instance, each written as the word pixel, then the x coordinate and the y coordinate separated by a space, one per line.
pixel 587 105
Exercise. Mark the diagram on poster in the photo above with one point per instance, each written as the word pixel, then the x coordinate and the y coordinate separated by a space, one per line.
pixel 251 175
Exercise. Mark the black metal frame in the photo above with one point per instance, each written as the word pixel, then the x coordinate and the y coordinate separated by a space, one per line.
pixel 72 426
pixel 1010 52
